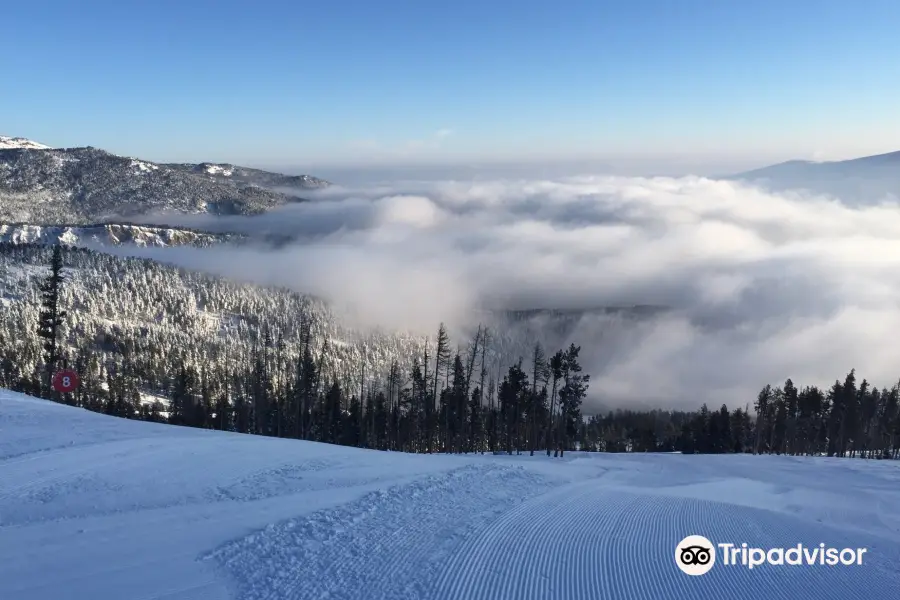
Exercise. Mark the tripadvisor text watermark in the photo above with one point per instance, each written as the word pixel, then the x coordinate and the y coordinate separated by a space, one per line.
pixel 696 555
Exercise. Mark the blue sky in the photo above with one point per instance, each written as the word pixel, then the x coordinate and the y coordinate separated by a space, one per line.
pixel 337 82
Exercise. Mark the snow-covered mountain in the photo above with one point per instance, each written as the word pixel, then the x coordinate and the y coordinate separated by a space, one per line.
pixel 865 180
pixel 20 143
pixel 88 185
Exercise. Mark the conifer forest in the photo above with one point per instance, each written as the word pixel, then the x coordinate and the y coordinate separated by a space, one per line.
pixel 271 362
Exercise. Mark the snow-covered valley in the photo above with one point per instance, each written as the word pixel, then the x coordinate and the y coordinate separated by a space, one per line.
pixel 98 507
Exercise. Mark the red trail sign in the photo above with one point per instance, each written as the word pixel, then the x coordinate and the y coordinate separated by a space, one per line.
pixel 65 381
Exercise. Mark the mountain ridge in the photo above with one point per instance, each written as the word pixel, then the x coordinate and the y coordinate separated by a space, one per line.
pixel 232 172
pixel 865 180
pixel 886 158
pixel 87 185
pixel 111 234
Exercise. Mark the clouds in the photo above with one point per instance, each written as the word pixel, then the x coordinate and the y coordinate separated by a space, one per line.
pixel 761 286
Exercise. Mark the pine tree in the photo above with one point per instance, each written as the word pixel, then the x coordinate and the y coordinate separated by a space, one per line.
pixel 762 408
pixel 51 317
pixel 791 404
pixel 333 403
pixel 182 410
pixel 417 409
pixel 305 388
pixel 540 371
pixel 441 358
pixel 571 395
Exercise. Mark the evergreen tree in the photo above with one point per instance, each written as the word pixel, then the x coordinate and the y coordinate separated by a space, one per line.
pixel 762 410
pixel 540 372
pixel 441 359
pixel 333 414
pixel 51 317
pixel 571 395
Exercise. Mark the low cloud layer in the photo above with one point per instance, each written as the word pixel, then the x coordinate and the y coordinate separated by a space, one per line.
pixel 761 286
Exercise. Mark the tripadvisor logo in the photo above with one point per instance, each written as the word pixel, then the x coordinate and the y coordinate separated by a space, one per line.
pixel 696 555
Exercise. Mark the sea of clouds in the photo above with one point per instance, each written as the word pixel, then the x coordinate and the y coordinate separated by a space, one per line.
pixel 761 285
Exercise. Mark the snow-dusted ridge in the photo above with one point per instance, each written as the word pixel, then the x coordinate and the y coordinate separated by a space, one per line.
pixel 265 179
pixel 89 185
pixel 110 234
pixel 20 143
pixel 97 507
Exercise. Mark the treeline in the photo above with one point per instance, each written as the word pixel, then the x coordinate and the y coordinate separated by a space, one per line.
pixel 846 420
pixel 446 403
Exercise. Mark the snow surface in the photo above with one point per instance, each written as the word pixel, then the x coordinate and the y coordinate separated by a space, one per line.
pixel 219 170
pixel 103 508
pixel 144 166
pixel 13 143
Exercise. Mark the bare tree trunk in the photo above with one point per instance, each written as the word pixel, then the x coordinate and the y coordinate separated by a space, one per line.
pixel 551 432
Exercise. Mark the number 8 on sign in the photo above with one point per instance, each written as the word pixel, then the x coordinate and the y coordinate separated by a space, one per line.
pixel 65 381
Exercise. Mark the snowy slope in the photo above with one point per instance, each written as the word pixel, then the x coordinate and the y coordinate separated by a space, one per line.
pixel 102 508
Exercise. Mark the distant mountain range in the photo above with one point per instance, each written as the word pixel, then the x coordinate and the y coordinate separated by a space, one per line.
pixel 865 180
pixel 56 186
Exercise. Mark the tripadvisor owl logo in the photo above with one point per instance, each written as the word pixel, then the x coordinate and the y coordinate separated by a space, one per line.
pixel 695 555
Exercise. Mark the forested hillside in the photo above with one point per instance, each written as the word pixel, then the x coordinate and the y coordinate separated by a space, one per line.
pixel 89 185
pixel 158 343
